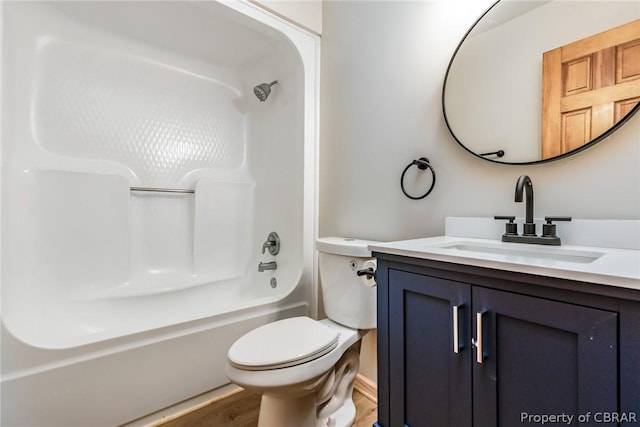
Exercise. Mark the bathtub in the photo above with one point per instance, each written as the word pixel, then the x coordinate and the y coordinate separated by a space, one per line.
pixel 140 180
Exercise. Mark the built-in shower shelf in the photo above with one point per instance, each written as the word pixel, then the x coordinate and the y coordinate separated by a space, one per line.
pixel 163 190
pixel 161 283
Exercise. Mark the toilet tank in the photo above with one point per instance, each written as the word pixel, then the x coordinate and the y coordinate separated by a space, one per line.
pixel 348 298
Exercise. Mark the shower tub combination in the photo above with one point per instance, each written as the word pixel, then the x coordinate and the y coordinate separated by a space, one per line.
pixel 141 176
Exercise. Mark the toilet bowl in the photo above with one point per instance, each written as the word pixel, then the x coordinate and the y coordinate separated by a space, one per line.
pixel 305 368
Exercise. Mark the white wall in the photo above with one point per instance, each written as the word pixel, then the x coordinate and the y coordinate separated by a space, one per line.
pixel 383 63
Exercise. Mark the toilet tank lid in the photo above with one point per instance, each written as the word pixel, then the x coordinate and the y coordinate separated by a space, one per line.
pixel 344 246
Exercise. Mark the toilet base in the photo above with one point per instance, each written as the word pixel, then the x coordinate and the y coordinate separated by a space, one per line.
pixel 289 412
pixel 301 412
pixel 324 402
pixel 343 417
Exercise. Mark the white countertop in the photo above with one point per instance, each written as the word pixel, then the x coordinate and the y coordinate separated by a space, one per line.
pixel 614 267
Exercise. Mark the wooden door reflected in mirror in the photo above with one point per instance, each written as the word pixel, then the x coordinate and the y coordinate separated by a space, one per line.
pixel 588 86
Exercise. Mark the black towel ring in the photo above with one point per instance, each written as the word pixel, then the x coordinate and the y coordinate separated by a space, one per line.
pixel 423 164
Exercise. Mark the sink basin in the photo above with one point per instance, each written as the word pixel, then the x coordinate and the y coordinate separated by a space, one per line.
pixel 524 251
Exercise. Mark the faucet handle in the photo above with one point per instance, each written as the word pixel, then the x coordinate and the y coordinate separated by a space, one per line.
pixel 549 229
pixel 272 243
pixel 510 227
pixel 556 218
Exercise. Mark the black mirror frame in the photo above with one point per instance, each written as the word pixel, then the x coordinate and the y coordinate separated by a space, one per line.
pixel 591 143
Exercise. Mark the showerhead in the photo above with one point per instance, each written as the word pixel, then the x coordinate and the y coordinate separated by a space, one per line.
pixel 263 90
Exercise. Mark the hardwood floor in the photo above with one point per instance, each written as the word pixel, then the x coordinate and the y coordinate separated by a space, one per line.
pixel 241 410
pixel 366 410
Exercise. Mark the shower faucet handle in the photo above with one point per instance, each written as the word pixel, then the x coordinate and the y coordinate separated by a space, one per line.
pixel 268 244
pixel 272 243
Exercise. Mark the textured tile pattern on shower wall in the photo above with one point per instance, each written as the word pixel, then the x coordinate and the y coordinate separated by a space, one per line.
pixel 159 121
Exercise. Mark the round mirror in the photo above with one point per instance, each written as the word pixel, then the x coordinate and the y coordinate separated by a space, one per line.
pixel 535 81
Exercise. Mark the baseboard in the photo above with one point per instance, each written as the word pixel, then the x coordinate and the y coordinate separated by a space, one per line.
pixel 362 384
pixel 185 408
pixel 366 387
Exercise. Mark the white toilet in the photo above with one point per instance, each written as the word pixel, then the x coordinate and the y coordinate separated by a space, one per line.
pixel 305 368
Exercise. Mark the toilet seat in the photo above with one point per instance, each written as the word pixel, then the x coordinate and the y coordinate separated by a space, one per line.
pixel 282 344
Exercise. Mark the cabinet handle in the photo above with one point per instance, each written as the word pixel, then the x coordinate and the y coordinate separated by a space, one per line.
pixel 479 337
pixel 456 329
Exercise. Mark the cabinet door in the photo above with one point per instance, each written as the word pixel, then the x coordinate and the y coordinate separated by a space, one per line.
pixel 430 383
pixel 541 357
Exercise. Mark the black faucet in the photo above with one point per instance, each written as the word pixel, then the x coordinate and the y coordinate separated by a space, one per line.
pixel 549 237
pixel 525 185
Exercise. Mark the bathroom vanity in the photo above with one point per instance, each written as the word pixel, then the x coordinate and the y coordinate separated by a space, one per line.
pixel 475 332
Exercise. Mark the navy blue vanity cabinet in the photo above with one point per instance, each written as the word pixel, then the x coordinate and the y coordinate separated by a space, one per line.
pixel 548 348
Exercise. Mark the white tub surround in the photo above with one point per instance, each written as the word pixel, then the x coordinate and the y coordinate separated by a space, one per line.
pixel 140 178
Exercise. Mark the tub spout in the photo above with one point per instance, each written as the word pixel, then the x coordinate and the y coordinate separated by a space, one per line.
pixel 267 266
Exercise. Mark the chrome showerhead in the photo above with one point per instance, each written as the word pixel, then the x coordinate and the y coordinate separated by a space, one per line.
pixel 263 90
